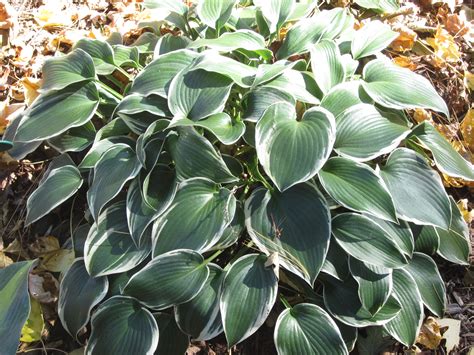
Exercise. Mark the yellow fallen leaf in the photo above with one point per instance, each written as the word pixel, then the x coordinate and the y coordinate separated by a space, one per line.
pixel 405 40
pixel 31 87
pixel 34 324
pixel 469 80
pixel 444 47
pixel 421 115
pixel 430 334
pixel 466 214
pixel 49 16
pixel 405 62
pixel 467 129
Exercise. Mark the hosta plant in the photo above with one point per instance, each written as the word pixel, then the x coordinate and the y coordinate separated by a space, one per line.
pixel 229 169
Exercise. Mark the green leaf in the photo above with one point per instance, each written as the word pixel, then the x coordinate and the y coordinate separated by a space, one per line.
pixel 194 156
pixel 60 184
pixel 134 104
pixel 170 331
pixel 208 208
pixel 99 147
pixel 392 86
pixel 342 301
pixel 219 124
pixel 34 325
pixel 126 56
pixel 427 241
pixel 170 5
pixel 79 293
pixel 45 118
pixel 234 230
pixel 157 76
pixel 159 187
pixel 357 187
pixel 169 279
pixel 447 159
pixel 60 72
pixel 109 248
pixel 114 168
pixel 249 291
pixel 292 151
pixel 240 73
pixel 400 233
pixel 133 330
pixel 213 13
pixel 261 98
pixel 384 6
pixel 169 43
pixel 365 240
pixel 75 139
pixel 307 329
pixel 342 97
pixel 231 41
pixel 309 31
pixel 371 39
pixel 429 282
pixel 326 65
pixel 406 325
pixel 101 52
pixel 146 43
pixel 201 317
pixel 299 84
pixel 425 202
pixel 196 94
pixel 295 224
pixel 375 284
pixel 363 123
pixel 336 262
pixel 139 213
pixel 455 243
pixel 150 144
pixel 14 303
pixel 275 12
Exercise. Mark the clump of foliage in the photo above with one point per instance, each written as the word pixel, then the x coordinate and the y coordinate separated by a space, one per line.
pixel 225 178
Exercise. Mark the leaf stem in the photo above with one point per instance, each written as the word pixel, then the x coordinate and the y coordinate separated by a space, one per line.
pixel 285 302
pixel 110 90
pixel 213 256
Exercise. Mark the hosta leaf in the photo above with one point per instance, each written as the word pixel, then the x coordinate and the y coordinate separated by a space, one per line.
pixel 371 39
pixel 375 284
pixel 159 187
pixel 169 279
pixel 308 31
pixel 261 98
pixel 151 143
pixel 349 335
pixel 197 94
pixel 219 124
pixel 293 151
pixel 357 187
pixel 169 43
pixel 342 301
pixel 327 65
pixel 429 282
pixel 249 291
pixel 60 72
pixel 336 262
pixel 447 159
pixel 362 123
pixel 300 84
pixel 351 231
pixel 275 12
pixel 101 52
pixel 45 118
pixel 342 97
pixel 454 244
pixel 427 240
pixel 215 13
pixel 201 317
pixel 109 248
pixel 423 202
pixel 194 156
pixel 170 331
pixel 208 210
pixel 60 184
pixel 99 147
pixel 133 330
pixel 126 56
pixel 392 86
pixel 295 224
pixel 78 294
pixel 242 74
pixel 400 233
pixel 133 104
pixel 384 6
pixel 406 325
pixel 307 329
pixel 75 139
pixel 157 76
pixel 115 167
pixel 231 41
pixel 170 5
pixel 233 231
pixel 14 303
pixel 146 43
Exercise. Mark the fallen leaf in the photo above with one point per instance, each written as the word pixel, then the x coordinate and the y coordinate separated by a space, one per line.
pixel 466 214
pixel 58 261
pixel 31 87
pixel 405 40
pixel 405 62
pixel 467 129
pixel 451 334
pixel 421 115
pixel 430 334
pixel 44 287
pixel 6 113
pixel 469 80
pixel 444 48
pixel 34 324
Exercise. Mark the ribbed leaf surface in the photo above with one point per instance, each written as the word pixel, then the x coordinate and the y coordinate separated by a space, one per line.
pixel 215 13
pixel 101 52
pixel 371 39
pixel 326 65
pixel 230 41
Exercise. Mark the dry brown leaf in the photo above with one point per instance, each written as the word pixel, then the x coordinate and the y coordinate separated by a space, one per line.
pixel 467 129
pixel 430 334
pixel 421 115
pixel 405 40
pixel 4 260
pixel 469 80
pixel 405 62
pixel 53 257
pixel 6 113
pixel 444 48
pixel 451 328
pixel 44 288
